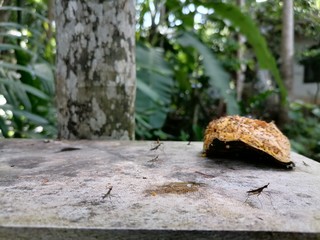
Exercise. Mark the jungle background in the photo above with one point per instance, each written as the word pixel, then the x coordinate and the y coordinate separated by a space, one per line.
pixel 188 68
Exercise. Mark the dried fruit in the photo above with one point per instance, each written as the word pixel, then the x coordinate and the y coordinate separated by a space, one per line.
pixel 235 136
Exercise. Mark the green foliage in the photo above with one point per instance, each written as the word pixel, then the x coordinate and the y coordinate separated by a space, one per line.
pixel 249 29
pixel 306 21
pixel 26 76
pixel 154 89
pixel 219 79
pixel 199 61
pixel 256 105
pixel 304 130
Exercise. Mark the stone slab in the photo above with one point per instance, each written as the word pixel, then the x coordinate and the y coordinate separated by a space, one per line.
pixel 55 190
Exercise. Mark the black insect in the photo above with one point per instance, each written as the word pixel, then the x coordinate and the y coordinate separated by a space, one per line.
pixel 205 175
pixel 108 193
pixel 257 191
pixel 156 158
pixel 157 146
pixel 66 149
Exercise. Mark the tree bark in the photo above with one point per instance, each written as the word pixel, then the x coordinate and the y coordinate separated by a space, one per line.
pixel 50 18
pixel 240 77
pixel 95 76
pixel 287 52
pixel 287 44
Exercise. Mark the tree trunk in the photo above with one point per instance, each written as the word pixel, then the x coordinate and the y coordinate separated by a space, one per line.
pixel 51 18
pixel 240 77
pixel 287 44
pixel 95 76
pixel 287 52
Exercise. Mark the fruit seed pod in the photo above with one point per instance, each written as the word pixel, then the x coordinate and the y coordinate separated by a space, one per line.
pixel 235 136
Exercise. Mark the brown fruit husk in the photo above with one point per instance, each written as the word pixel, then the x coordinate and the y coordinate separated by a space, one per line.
pixel 235 136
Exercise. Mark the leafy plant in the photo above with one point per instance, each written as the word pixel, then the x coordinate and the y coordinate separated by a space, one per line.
pixel 252 33
pixel 26 77
pixel 304 131
pixel 154 89
pixel 219 79
pixel 199 60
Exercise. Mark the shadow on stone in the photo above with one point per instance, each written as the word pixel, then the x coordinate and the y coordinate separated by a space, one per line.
pixel 243 155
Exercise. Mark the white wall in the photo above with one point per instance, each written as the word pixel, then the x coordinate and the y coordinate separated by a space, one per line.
pixel 301 90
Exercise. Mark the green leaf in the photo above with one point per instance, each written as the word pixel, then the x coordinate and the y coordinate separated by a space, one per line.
pixel 152 59
pixel 218 77
pixel 147 90
pixel 154 87
pixel 4 47
pixel 45 73
pixel 36 119
pixel 12 25
pixel 16 90
pixel 26 88
pixel 25 10
pixel 3 127
pixel 33 70
pixel 30 116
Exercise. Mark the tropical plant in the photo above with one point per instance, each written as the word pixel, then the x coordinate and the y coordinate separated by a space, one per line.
pixel 194 36
pixel 154 90
pixel 218 78
pixel 26 75
pixel 249 29
pixel 304 131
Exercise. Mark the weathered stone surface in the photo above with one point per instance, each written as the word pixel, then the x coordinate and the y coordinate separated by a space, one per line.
pixel 54 190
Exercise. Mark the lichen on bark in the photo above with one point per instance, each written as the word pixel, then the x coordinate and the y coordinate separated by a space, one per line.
pixel 95 69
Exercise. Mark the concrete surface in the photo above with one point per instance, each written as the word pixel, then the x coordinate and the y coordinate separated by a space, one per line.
pixel 55 190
